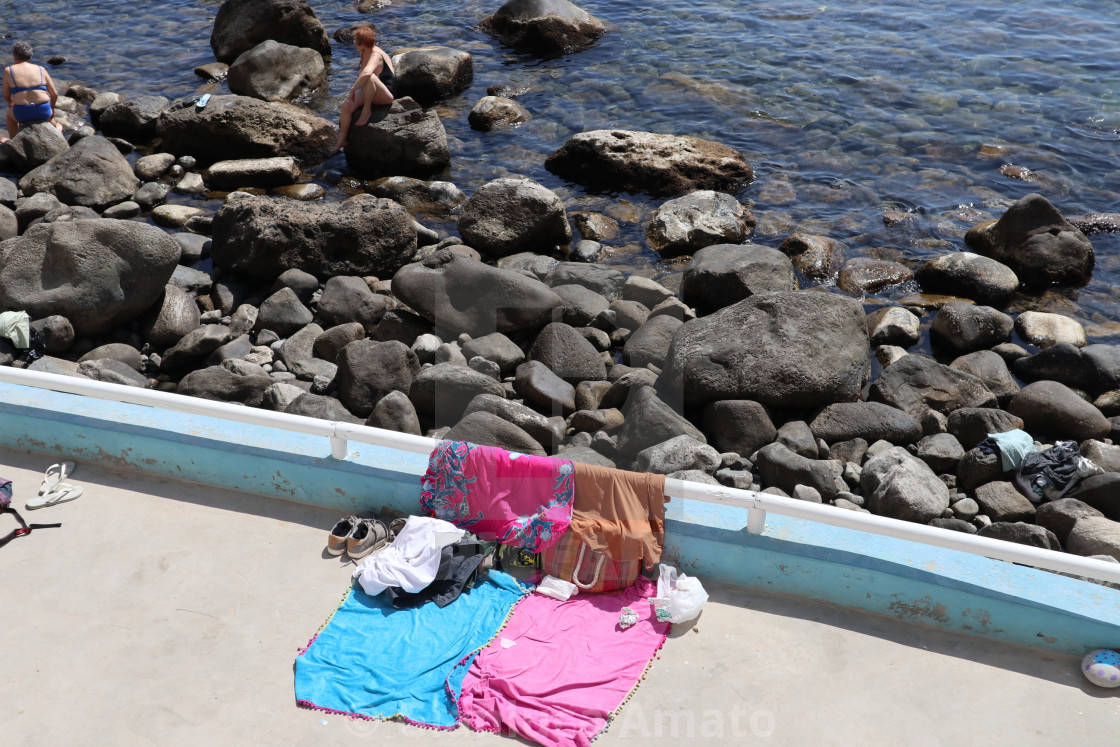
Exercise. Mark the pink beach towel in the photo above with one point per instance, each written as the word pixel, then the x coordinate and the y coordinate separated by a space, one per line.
pixel 568 669
pixel 516 499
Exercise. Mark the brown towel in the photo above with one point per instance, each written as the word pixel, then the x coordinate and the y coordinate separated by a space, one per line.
pixel 619 513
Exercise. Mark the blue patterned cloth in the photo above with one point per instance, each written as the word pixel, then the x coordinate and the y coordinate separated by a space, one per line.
pixel 376 661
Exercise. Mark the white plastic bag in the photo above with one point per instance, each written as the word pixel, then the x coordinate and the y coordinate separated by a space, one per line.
pixel 679 597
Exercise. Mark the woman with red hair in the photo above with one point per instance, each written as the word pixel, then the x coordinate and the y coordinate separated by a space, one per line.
pixel 374 86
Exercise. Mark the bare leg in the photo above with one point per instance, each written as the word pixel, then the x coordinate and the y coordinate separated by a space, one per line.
pixel 12 124
pixel 344 124
pixel 374 92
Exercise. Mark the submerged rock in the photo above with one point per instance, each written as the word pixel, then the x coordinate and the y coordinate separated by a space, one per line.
pixel 545 27
pixel 647 162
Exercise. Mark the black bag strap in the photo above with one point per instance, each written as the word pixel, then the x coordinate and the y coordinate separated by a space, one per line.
pixel 24 527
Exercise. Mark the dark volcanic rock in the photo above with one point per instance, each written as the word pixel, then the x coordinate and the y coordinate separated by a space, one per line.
pixel 91 174
pixel 793 349
pixel 738 425
pixel 487 429
pixel 432 73
pixel 646 162
pixel 233 127
pixel 1021 533
pixel 96 273
pixel 568 354
pixel 723 274
pixel 916 382
pixel 544 27
pixel 368 370
pixel 241 25
pixel 971 425
pixel 900 486
pixel 459 294
pixel 1053 409
pixel 870 421
pixel 512 215
pixel 401 139
pixel 261 237
pixel 442 392
pixel 963 327
pixel 275 72
pixel 1037 243
pixel 782 468
pixel 974 276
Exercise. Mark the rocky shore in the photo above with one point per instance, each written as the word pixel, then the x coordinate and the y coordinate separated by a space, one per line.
pixel 765 368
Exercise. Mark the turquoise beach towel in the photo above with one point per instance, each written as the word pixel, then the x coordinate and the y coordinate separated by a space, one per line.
pixel 374 661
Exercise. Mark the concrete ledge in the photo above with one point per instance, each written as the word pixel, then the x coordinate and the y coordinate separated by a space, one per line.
pixel 918 583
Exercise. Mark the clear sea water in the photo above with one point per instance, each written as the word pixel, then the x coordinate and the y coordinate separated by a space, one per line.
pixel 845 110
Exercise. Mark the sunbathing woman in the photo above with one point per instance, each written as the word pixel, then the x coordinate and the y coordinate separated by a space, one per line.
pixel 374 86
pixel 28 89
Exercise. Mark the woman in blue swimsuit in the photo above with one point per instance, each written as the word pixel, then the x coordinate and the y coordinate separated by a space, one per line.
pixel 28 89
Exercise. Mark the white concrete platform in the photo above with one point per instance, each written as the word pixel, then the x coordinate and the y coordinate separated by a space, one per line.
pixel 166 613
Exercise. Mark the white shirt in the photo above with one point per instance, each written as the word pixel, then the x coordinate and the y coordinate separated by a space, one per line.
pixel 412 560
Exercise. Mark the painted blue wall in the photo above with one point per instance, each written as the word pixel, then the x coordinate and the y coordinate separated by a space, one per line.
pixel 910 581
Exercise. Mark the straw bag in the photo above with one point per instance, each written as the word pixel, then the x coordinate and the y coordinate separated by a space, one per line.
pixel 572 560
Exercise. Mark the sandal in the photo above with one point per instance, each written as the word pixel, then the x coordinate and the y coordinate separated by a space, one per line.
pixel 370 537
pixel 55 474
pixel 62 493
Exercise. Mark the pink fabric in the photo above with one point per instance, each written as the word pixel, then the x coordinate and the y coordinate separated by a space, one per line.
pixel 516 499
pixel 570 666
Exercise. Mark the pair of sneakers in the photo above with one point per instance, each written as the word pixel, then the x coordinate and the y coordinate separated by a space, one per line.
pixel 360 538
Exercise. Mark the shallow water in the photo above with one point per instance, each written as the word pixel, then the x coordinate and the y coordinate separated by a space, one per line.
pixel 844 110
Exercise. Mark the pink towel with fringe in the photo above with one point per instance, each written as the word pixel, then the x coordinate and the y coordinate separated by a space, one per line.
pixel 569 668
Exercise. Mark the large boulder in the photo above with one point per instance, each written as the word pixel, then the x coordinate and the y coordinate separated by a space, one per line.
pixel 369 370
pixel 1037 243
pixel 650 342
pixel 432 73
pixel 494 112
pixel 133 119
pixel 243 24
pixel 991 369
pixel 548 432
pixel 541 387
pixel 275 72
pixel 96 273
pixel 782 468
pixel 92 173
pixel 738 425
pixel 262 237
pixel 964 327
pixel 544 27
pixel 253 172
pixel 660 165
pixel 34 145
pixel 915 382
pixel 723 274
pixel 1064 362
pixel 443 392
pixel 171 318
pixel 900 486
pixel 974 276
pixel 650 421
pixel 702 218
pixel 232 127
pixel 1095 535
pixel 512 215
pixel 487 429
pixel 402 139
pixel 971 425
pixel 459 294
pixel 228 384
pixel 817 257
pixel 568 354
pixel 676 454
pixel 346 298
pixel 395 412
pixel 1053 409
pixel 870 421
pixel 787 349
